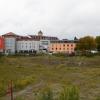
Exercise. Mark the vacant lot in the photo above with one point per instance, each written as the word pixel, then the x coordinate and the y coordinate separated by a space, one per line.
pixel 31 74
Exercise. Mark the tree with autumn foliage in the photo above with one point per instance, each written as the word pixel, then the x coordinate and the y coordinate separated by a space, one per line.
pixel 98 42
pixel 86 43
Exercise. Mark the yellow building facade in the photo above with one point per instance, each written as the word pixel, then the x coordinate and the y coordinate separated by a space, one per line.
pixel 62 46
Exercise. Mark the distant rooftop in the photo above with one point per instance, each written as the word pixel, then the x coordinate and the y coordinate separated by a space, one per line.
pixel 10 34
pixel 64 41
pixel 31 37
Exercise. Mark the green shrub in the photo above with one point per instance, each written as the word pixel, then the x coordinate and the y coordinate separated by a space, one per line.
pixel 2 90
pixel 69 94
pixel 66 94
pixel 46 94
pixel 98 98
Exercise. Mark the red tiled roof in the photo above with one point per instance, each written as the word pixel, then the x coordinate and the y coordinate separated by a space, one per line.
pixel 10 34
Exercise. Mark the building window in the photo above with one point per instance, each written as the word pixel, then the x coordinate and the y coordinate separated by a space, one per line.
pixel 63 45
pixel 45 43
pixel 71 45
pixel 68 45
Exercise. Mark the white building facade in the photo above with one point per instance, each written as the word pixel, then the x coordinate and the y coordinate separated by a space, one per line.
pixel 27 46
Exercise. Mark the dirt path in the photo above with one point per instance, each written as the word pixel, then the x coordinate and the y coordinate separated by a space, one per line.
pixel 27 93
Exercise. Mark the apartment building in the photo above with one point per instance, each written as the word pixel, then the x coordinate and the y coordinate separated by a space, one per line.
pixel 12 43
pixel 27 44
pixel 30 43
pixel 62 46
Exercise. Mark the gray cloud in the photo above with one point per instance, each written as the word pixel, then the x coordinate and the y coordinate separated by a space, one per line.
pixel 62 18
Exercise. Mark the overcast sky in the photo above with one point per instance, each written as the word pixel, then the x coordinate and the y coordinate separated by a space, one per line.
pixel 62 18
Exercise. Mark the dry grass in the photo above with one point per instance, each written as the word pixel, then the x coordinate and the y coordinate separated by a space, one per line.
pixel 82 72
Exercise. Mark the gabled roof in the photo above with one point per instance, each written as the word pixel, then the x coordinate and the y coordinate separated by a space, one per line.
pixel 10 34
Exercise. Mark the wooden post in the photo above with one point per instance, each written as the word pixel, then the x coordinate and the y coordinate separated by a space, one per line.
pixel 10 90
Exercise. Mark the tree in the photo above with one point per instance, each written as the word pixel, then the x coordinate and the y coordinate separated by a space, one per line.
pixel 98 42
pixel 86 43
